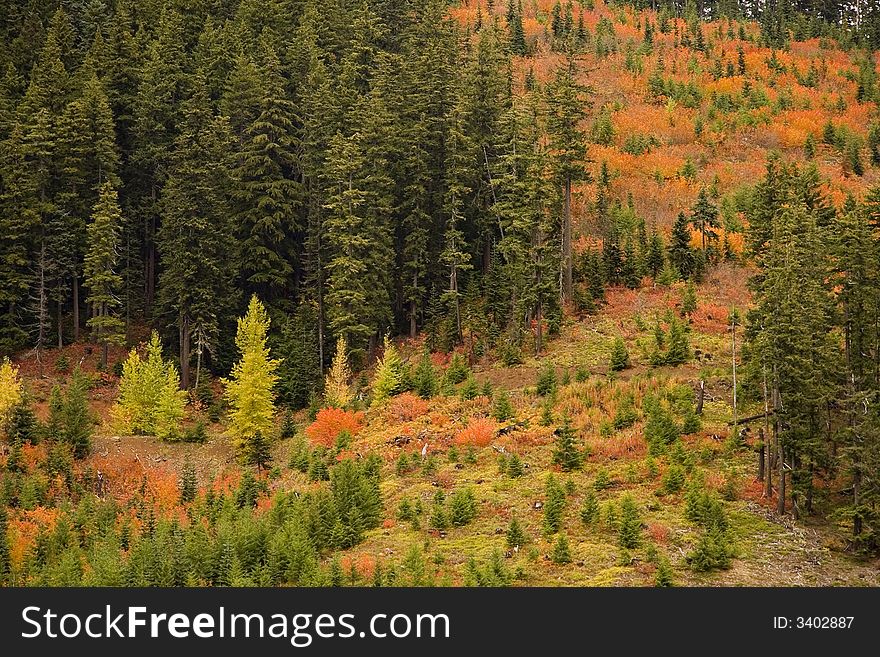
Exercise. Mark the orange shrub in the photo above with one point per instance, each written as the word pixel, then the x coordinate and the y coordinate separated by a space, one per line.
pixel 330 422
pixel 617 446
pixel 658 533
pixel 479 432
pixel 407 407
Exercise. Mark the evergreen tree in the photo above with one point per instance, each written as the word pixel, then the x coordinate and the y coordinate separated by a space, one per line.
pixel 515 28
pixel 561 554
pixel 589 508
pixel 554 505
pixel 516 537
pixel 679 351
pixel 502 409
pixel 161 91
pixel 77 416
pixel 619 355
pixel 188 483
pixel 630 526
pixel 655 258
pixel 100 271
pixel 565 453
pixel 299 370
pixel 688 300
pixel 195 236
pixel 704 217
pixel 565 108
pixel 681 256
pixel 663 577
pixel 54 428
pixel 425 378
pixel 266 191
pixel 258 450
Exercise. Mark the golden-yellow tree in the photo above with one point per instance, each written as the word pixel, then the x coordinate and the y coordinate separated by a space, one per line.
pixel 250 387
pixel 150 400
pixel 337 391
pixel 10 389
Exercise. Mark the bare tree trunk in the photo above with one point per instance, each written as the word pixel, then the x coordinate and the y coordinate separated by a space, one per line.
pixel 760 451
pixel 780 502
pixel 765 437
pixel 75 307
pixel 150 265
pixel 453 287
pixel 566 243
pixel 539 338
pixel 857 500
pixel 733 359
pixel 808 498
pixel 60 318
pixel 184 352
pixel 199 349
pixel 701 394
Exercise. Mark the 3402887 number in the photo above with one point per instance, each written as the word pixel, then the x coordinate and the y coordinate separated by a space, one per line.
pixel 824 622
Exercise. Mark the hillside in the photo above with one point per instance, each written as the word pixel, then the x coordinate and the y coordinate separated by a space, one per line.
pixel 574 221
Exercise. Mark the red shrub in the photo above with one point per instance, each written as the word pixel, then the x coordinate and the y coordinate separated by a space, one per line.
pixel 330 422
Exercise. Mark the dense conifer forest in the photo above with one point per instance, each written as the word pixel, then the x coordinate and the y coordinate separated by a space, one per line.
pixel 426 292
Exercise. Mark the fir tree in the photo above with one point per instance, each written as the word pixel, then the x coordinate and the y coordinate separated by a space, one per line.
pixel 655 258
pixel 266 191
pixel 188 483
pixel 565 453
pixel 663 576
pixel 679 351
pixel 299 372
pixel 194 237
pixel 561 554
pixel 502 409
pixel 565 103
pixel 589 508
pixel 258 451
pixel 619 355
pixel 100 271
pixel 78 420
pixel 547 380
pixel 660 428
pixel 554 505
pixel 516 537
pixel 704 217
pixel 688 300
pixel 681 256
pixel 630 526
pixel 425 378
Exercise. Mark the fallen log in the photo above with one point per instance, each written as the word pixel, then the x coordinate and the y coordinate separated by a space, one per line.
pixel 750 418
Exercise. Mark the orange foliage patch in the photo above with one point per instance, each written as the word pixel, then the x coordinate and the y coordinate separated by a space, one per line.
pixel 407 407
pixel 658 533
pixel 330 422
pixel 620 445
pixel 479 432
pixel 363 564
